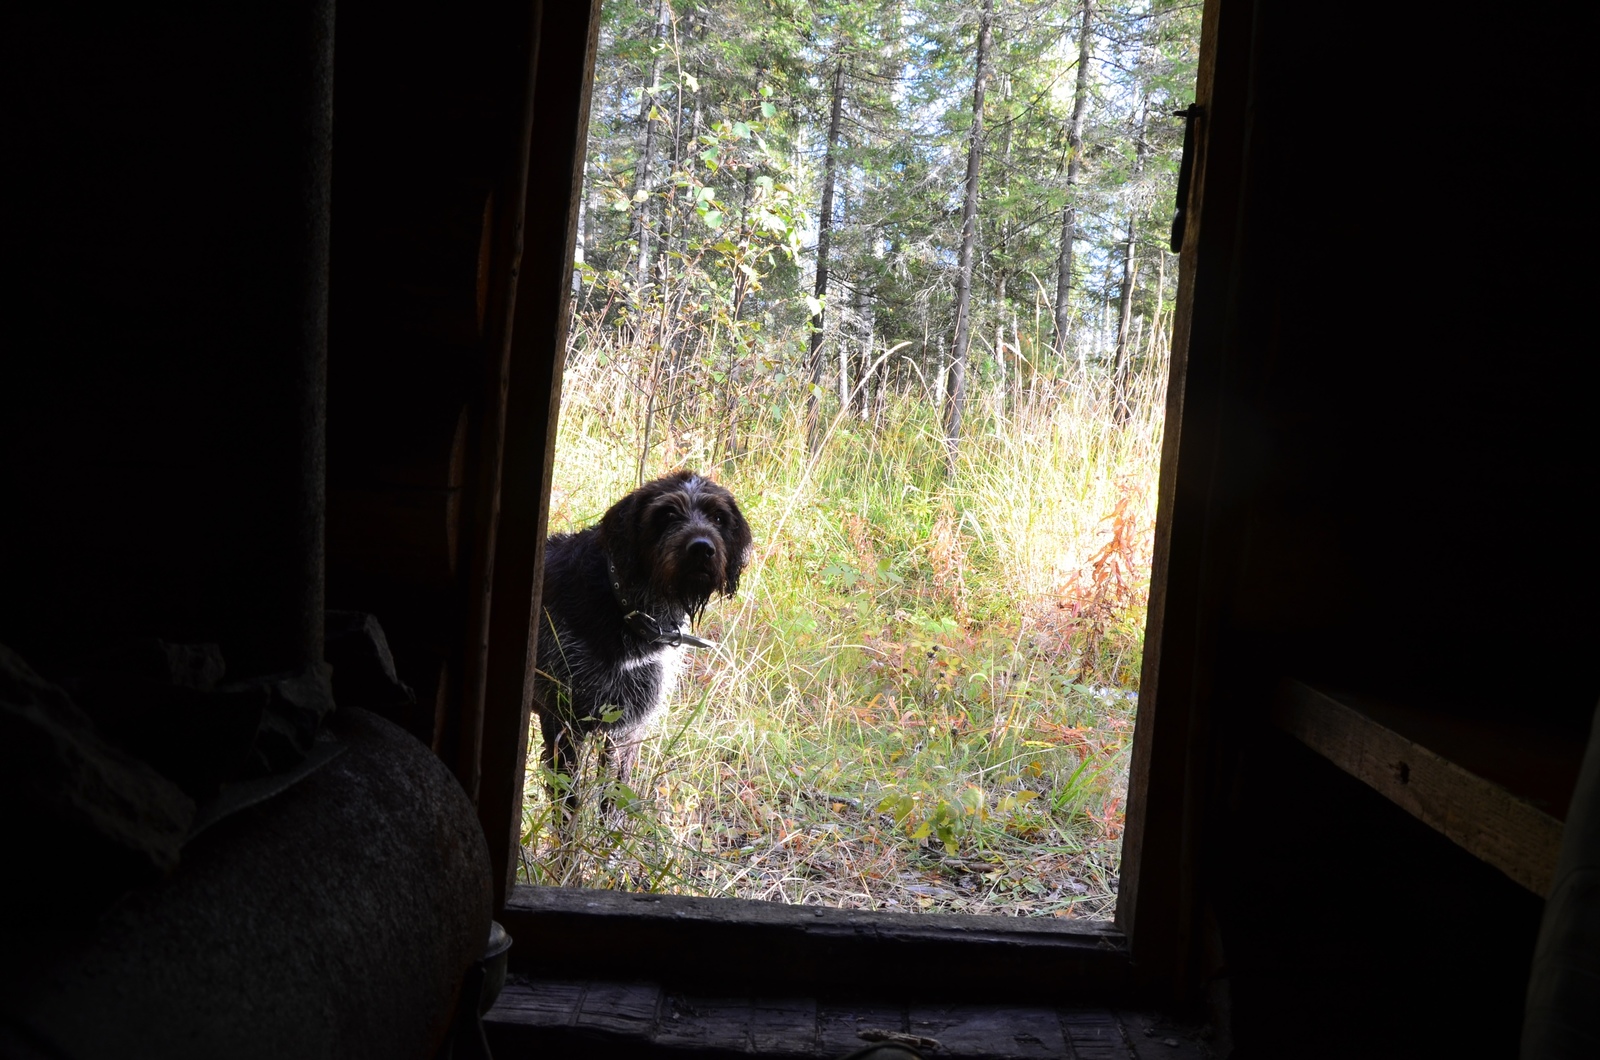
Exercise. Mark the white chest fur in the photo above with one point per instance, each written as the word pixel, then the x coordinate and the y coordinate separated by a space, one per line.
pixel 668 664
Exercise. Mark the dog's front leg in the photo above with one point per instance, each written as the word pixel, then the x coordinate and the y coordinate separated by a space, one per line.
pixel 561 759
pixel 619 755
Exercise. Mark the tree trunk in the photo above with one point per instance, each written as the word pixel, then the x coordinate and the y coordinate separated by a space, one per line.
pixel 1069 213
pixel 741 281
pixel 998 258
pixel 824 241
pixel 1161 287
pixel 647 148
pixel 969 232
pixel 1119 373
pixel 872 384
pixel 1000 343
pixel 579 255
pixel 846 395
pixel 1130 272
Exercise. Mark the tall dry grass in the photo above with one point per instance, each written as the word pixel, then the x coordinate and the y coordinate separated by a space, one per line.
pixel 923 696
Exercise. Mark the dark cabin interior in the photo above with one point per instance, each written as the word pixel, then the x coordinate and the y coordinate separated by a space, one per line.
pixel 283 351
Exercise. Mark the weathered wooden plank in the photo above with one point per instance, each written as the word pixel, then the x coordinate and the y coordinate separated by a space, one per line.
pixel 506 266
pixel 705 1025
pixel 690 909
pixel 783 1025
pixel 629 1010
pixel 839 1027
pixel 1155 1038
pixel 406 534
pixel 507 604
pixel 1533 760
pixel 1001 1033
pixel 547 1003
pixel 563 1017
pixel 1157 899
pixel 1094 1034
pixel 727 947
pixel 1476 814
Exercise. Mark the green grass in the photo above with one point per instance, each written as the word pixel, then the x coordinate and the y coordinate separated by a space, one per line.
pixel 923 696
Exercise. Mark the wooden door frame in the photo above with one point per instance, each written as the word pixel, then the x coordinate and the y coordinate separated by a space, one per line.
pixel 527 386
pixel 1169 771
pixel 1172 770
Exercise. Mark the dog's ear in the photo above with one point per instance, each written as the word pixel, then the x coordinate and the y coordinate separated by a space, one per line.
pixel 737 540
pixel 620 529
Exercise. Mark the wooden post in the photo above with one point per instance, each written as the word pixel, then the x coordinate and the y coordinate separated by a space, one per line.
pixel 568 36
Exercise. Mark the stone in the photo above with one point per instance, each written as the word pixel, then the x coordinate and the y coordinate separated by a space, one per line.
pixel 298 704
pixel 64 788
pixel 363 667
pixel 336 919
pixel 162 702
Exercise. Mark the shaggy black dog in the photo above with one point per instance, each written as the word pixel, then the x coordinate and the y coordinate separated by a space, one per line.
pixel 618 600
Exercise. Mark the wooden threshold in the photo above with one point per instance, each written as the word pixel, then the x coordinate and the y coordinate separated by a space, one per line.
pixel 642 1021
pixel 1496 788
pixel 728 946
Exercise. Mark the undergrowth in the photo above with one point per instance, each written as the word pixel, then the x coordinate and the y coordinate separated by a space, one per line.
pixel 923 696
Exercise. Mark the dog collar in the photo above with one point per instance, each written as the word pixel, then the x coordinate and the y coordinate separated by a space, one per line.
pixel 644 625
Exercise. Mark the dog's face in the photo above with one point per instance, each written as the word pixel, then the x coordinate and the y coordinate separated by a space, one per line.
pixel 682 536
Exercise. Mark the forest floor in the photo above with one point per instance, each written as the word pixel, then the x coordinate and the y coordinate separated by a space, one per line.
pixel 923 696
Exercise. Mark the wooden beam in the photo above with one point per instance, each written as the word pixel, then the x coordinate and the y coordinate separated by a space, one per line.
pixel 485 580
pixel 1411 757
pixel 739 948
pixel 568 36
pixel 1169 773
pixel 565 1017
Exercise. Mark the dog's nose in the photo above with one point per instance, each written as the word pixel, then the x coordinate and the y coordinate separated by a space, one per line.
pixel 701 548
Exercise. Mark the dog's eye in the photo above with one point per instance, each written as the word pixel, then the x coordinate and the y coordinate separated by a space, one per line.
pixel 719 518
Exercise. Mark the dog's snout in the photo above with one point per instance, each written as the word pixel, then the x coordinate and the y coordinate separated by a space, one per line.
pixel 701 548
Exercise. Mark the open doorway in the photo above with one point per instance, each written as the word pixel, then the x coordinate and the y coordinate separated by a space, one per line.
pixel 896 275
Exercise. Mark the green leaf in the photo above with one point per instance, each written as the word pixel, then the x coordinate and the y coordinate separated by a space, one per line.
pixel 768 110
pixel 713 218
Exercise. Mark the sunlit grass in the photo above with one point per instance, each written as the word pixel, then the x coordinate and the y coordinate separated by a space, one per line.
pixel 923 696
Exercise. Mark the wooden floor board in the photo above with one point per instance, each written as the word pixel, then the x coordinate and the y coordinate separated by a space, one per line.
pixel 1154 1038
pixel 1008 1033
pixel 1094 1034
pixel 839 1028
pixel 725 946
pixel 702 1025
pixel 641 1021
pixel 626 1010
pixel 782 1024
pixel 553 1004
